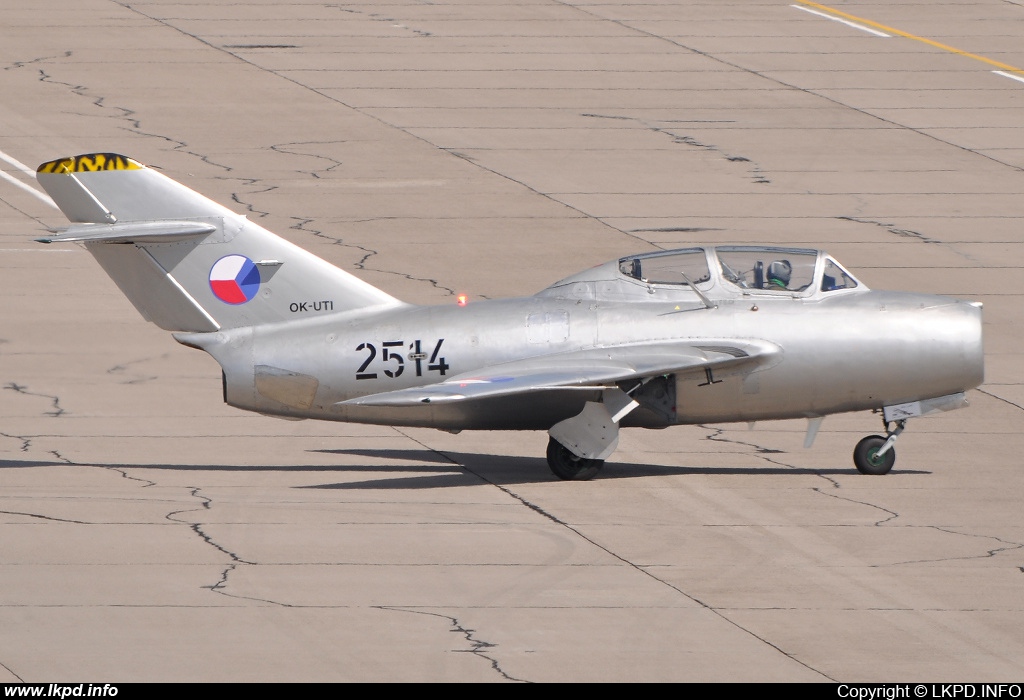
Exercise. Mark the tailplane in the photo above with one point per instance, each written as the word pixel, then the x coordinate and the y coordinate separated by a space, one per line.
pixel 186 262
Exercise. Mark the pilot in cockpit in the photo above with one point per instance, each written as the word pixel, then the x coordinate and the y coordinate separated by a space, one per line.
pixel 779 273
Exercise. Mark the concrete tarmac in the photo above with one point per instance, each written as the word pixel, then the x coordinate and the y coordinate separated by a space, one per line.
pixel 148 532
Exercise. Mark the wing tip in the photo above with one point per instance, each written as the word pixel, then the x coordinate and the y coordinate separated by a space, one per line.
pixel 89 162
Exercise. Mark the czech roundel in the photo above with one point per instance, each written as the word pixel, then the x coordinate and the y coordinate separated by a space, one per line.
pixel 234 279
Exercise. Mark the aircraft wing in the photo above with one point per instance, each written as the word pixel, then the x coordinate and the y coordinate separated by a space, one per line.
pixel 588 369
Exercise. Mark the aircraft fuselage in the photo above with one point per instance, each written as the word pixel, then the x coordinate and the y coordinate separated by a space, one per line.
pixel 850 352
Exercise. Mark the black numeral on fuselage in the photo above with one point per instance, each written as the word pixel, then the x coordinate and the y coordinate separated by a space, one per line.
pixel 392 363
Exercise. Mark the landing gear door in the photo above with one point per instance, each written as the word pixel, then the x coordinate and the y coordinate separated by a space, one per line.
pixel 658 396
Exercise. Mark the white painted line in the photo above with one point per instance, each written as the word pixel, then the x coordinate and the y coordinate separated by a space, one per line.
pixel 861 27
pixel 18 164
pixel 31 190
pixel 28 171
pixel 1011 76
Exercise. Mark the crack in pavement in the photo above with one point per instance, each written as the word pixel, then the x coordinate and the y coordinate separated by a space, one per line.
pixel 45 517
pixel 774 79
pixel 546 195
pixel 380 18
pixel 885 522
pixel 302 224
pixel 26 442
pixel 220 586
pixel 120 113
pixel 718 435
pixel 27 445
pixel 144 483
pixel 367 253
pixel 197 528
pixel 311 226
pixel 674 229
pixel 908 233
pixel 1000 398
pixel 11 671
pixel 45 67
pixel 1009 547
pixel 639 568
pixel 138 378
pixel 40 59
pixel 891 228
pixel 57 411
pixel 376 118
pixel 249 208
pixel 334 162
pixel 756 172
pixel 478 647
pixel 893 515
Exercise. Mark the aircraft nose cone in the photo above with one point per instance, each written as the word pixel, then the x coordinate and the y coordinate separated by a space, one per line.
pixel 950 345
pixel 964 321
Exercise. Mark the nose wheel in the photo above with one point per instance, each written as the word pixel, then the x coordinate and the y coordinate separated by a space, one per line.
pixel 875 454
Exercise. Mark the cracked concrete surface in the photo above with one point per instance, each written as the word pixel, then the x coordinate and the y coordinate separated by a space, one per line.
pixel 150 533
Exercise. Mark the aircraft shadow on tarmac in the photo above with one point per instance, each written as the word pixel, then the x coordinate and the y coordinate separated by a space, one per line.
pixel 436 470
pixel 463 468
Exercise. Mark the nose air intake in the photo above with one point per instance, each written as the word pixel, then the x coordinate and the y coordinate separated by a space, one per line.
pixel 955 334
pixel 978 344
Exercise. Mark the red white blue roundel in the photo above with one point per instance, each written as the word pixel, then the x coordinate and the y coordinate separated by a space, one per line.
pixel 234 279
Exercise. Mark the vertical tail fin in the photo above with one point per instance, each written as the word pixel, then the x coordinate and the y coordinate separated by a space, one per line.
pixel 186 262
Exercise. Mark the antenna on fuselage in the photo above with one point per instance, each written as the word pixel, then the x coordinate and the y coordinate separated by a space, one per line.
pixel 707 302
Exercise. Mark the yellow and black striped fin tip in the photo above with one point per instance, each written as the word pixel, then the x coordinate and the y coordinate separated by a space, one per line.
pixel 89 162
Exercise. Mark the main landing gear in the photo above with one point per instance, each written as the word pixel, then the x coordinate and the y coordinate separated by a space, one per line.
pixel 875 454
pixel 579 445
pixel 568 466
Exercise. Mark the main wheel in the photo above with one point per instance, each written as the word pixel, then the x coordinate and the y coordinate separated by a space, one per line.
pixel 568 466
pixel 865 456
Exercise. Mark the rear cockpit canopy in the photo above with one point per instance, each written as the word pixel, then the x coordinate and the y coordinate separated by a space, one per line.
pixel 720 272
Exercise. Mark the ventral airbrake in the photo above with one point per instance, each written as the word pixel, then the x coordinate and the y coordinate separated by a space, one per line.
pixel 678 337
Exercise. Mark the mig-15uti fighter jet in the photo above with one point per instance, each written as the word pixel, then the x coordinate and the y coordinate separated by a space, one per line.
pixel 698 335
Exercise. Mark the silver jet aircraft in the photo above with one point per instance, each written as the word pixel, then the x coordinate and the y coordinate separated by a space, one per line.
pixel 699 335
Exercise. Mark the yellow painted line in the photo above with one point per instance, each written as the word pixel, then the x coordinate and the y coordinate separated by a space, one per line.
pixel 908 35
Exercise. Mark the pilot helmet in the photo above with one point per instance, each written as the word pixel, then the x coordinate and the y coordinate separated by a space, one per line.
pixel 779 273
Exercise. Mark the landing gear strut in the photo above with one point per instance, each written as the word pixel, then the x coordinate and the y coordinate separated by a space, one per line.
pixel 875 454
pixel 568 466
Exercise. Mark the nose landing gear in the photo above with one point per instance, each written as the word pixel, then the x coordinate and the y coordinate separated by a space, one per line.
pixel 875 454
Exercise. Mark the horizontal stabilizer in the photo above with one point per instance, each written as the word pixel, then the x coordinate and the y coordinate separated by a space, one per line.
pixel 148 231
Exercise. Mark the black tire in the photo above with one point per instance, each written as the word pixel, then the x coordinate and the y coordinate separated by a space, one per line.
pixel 567 466
pixel 865 456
